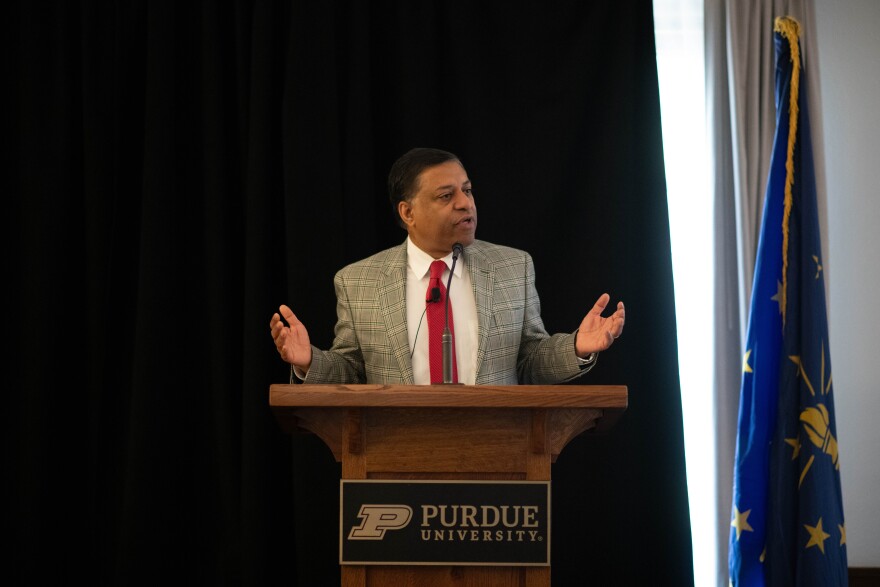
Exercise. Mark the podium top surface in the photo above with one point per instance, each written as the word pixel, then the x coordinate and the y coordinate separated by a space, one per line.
pixel 607 397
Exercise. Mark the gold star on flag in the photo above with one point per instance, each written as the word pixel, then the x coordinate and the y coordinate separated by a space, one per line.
pixel 796 445
pixel 817 536
pixel 842 529
pixel 746 367
pixel 779 298
pixel 740 521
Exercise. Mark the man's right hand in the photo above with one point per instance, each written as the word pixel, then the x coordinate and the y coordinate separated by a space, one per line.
pixel 291 340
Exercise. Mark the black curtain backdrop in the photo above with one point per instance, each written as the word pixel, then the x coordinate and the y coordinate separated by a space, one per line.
pixel 179 169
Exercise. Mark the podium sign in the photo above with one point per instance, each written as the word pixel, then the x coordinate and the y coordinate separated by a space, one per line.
pixel 444 523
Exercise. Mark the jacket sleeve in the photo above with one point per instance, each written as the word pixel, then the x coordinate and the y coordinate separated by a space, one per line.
pixel 344 362
pixel 543 358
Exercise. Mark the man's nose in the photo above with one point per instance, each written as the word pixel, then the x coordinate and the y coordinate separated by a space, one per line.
pixel 462 200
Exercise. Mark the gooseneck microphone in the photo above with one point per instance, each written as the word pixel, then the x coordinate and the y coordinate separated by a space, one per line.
pixel 446 340
pixel 433 299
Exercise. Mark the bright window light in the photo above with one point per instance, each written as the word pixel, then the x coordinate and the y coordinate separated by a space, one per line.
pixel 679 36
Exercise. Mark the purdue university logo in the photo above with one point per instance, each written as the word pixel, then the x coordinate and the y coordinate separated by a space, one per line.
pixel 376 519
pixel 444 522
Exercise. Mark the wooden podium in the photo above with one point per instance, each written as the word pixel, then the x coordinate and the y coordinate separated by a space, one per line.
pixel 448 432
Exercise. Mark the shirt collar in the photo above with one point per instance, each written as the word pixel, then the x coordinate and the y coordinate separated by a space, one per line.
pixel 420 262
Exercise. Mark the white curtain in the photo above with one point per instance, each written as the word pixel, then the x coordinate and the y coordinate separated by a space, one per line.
pixel 740 90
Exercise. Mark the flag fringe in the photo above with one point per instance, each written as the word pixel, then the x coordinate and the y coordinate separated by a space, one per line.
pixel 790 29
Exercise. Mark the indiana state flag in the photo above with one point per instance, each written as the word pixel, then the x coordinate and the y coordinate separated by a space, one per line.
pixel 787 523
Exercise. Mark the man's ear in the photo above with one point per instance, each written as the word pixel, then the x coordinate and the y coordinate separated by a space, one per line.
pixel 404 208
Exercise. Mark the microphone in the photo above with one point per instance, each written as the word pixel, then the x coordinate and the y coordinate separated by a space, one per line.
pixel 446 339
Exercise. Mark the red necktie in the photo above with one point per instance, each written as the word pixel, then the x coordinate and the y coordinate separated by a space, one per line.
pixel 437 323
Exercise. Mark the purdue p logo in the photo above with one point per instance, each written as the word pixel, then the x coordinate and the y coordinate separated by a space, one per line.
pixel 376 519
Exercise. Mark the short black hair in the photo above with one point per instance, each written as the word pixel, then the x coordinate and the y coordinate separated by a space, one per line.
pixel 404 174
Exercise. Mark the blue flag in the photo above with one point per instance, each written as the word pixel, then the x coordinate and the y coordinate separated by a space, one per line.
pixel 787 524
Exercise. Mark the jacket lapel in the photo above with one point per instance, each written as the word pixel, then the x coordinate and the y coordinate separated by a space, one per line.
pixel 482 282
pixel 392 301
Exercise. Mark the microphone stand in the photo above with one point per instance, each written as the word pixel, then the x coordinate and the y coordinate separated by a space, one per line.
pixel 446 339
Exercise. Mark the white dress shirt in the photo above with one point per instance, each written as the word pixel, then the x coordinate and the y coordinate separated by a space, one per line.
pixel 463 307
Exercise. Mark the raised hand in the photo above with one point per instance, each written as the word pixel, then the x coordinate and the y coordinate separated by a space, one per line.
pixel 596 332
pixel 291 339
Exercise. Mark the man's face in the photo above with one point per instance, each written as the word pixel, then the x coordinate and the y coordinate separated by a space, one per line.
pixel 443 211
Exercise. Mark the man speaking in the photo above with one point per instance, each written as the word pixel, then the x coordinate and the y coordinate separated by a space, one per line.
pixel 442 307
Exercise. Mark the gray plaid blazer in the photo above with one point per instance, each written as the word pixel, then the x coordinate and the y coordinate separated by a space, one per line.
pixel 371 344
